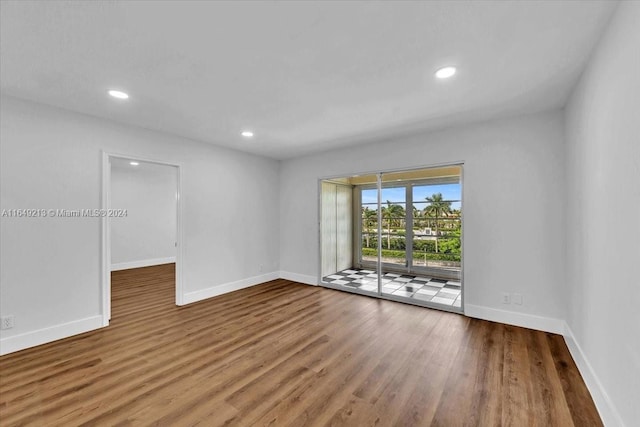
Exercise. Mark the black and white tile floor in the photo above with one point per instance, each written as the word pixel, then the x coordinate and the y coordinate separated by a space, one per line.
pixel 406 285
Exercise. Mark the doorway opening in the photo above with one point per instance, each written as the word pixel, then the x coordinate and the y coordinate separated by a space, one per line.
pixel 396 235
pixel 141 226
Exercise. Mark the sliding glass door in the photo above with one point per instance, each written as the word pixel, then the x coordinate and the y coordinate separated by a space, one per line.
pixel 424 238
pixel 407 236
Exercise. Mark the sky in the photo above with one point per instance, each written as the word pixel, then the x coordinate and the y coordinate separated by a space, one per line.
pixel 420 193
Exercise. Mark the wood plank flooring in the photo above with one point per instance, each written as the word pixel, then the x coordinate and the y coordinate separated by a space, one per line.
pixel 285 354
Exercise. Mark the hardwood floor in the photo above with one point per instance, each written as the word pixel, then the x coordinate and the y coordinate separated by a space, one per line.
pixel 288 354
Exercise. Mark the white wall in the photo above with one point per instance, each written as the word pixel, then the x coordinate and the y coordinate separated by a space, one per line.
pixel 147 234
pixel 50 267
pixel 336 228
pixel 603 217
pixel 513 199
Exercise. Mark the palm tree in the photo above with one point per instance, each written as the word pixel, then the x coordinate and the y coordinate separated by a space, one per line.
pixel 369 217
pixel 437 208
pixel 392 214
pixel 417 218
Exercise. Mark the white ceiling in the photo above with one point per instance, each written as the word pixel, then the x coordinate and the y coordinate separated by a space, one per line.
pixel 304 76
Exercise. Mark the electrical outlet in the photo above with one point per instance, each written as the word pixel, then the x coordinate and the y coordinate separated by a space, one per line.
pixel 517 299
pixel 7 322
pixel 506 298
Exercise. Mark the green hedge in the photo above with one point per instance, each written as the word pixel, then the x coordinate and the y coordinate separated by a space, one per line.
pixel 386 253
pixel 445 245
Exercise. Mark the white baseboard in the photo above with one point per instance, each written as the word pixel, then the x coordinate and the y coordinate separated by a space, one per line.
pixel 142 263
pixel 301 278
pixel 606 409
pixel 531 321
pixel 228 287
pixel 46 335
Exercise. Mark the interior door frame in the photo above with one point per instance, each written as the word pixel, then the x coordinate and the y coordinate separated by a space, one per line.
pixel 106 229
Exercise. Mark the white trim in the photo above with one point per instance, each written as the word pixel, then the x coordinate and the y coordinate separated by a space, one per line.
pixel 106 266
pixel 531 321
pixel 290 276
pixel 604 405
pixel 142 263
pixel 224 288
pixel 49 334
pixel 179 279
pixel 105 227
pixel 405 169
pixel 300 278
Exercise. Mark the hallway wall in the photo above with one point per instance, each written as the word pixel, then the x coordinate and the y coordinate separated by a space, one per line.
pixel 146 235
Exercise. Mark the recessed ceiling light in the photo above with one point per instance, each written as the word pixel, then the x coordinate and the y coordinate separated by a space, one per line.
pixel 118 94
pixel 446 72
pixel 247 134
pixel 134 163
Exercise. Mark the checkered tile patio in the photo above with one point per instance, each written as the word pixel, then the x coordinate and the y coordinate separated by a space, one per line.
pixel 421 288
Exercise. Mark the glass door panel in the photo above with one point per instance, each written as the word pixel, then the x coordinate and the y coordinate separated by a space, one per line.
pixel 394 226
pixel 349 233
pixel 437 227
pixel 393 254
pixel 368 261
pixel 369 228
